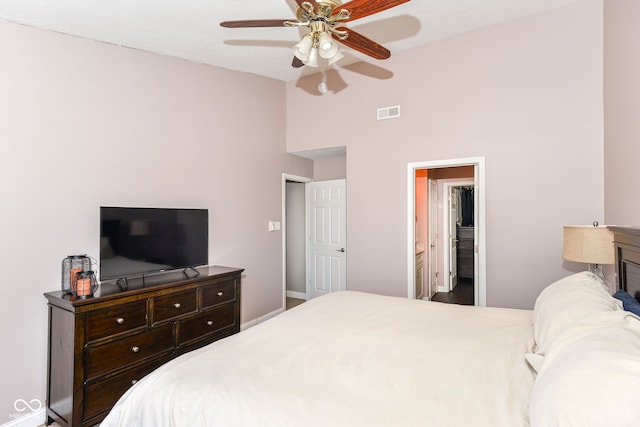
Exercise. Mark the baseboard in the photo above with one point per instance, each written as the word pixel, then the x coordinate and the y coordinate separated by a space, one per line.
pixel 33 419
pixel 261 319
pixel 297 295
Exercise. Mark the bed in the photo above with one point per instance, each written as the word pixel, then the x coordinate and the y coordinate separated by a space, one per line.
pixel 357 359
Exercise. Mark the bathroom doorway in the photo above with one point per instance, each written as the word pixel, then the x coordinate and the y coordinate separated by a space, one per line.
pixel 446 226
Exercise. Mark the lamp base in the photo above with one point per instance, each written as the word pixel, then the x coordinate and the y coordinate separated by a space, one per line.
pixel 597 270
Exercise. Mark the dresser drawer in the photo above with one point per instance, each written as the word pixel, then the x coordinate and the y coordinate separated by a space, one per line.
pixel 465 232
pixel 100 396
pixel 115 320
pixel 465 246
pixel 218 293
pixel 206 323
pixel 169 306
pixel 108 357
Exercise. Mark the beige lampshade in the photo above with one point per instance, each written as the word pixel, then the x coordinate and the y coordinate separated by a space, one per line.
pixel 588 244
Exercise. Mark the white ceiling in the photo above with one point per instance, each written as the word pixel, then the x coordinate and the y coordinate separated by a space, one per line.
pixel 189 29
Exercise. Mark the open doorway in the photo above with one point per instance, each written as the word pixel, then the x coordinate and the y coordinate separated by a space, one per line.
pixel 294 269
pixel 454 208
pixel 313 238
pixel 439 193
pixel 328 165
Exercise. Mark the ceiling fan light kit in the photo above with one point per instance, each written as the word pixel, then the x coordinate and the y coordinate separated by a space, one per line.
pixel 322 25
pixel 303 48
pixel 324 19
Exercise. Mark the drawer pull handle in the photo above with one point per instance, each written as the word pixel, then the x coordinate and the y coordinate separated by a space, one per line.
pixel 177 305
pixel 210 322
pixel 120 320
pixel 135 349
pixel 220 293
pixel 133 382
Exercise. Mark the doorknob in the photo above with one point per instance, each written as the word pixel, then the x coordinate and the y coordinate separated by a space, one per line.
pixel 340 250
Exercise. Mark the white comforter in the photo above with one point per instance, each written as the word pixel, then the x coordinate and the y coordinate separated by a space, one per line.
pixel 348 359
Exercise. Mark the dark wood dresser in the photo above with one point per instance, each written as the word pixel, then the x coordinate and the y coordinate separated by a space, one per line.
pixel 100 346
pixel 465 252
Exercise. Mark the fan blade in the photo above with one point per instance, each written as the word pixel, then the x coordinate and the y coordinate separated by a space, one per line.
pixel 363 44
pixel 297 63
pixel 256 23
pixel 361 8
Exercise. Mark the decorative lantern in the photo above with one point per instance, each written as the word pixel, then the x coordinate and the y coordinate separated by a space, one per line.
pixel 71 266
pixel 85 284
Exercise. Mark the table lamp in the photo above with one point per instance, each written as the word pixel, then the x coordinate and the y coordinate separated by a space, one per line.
pixel 588 244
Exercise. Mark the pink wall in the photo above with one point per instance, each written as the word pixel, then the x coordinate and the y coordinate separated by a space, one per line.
pixel 86 124
pixel 330 168
pixel 621 111
pixel 526 95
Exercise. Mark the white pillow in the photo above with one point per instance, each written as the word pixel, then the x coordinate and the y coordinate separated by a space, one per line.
pixel 567 300
pixel 535 360
pixel 590 375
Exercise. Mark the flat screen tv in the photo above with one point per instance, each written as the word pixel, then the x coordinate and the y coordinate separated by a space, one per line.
pixel 137 241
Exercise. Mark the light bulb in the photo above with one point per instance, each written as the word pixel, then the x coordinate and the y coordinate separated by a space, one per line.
pixel 327 46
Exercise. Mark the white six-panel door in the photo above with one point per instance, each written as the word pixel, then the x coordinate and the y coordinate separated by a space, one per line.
pixel 327 237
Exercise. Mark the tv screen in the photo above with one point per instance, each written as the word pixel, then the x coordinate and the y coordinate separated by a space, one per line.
pixel 135 241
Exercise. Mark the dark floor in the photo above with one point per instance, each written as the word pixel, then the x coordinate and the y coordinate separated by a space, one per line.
pixel 461 294
pixel 293 302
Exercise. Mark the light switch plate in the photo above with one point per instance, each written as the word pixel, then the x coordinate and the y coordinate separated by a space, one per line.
pixel 274 225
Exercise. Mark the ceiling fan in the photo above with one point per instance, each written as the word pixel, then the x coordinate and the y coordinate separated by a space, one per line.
pixel 324 19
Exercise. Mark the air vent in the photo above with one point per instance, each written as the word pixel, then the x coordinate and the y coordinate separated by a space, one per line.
pixel 388 112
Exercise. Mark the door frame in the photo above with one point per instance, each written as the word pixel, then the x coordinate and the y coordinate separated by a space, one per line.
pixel 305 180
pixel 433 236
pixel 447 184
pixel 479 258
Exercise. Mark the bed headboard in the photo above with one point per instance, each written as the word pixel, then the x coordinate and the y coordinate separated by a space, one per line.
pixel 627 247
